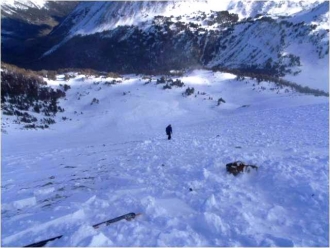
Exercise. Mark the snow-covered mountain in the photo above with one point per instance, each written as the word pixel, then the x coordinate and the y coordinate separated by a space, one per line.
pixel 251 8
pixel 92 17
pixel 128 40
pixel 286 39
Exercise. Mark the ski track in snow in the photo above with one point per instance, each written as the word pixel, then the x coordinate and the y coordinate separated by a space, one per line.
pixel 180 186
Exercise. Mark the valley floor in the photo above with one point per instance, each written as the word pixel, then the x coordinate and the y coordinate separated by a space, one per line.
pixel 115 158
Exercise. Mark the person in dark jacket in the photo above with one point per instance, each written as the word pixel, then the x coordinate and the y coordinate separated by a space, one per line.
pixel 169 131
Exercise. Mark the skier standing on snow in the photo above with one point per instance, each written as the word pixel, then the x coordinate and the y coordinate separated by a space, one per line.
pixel 169 131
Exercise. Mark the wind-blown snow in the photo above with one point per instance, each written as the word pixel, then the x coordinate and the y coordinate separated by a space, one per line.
pixel 113 158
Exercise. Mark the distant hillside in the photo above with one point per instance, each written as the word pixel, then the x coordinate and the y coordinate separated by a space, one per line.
pixel 216 39
pixel 289 39
pixel 24 26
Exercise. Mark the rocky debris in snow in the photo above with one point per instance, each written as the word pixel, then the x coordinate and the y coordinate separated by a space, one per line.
pixel 238 167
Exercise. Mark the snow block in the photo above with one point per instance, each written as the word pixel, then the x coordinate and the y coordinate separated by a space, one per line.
pixel 44 191
pixel 27 202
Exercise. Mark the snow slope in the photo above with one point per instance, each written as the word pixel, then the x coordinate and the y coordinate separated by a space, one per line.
pixel 314 66
pixel 112 158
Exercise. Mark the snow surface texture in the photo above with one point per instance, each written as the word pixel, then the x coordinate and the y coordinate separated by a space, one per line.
pixel 114 158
